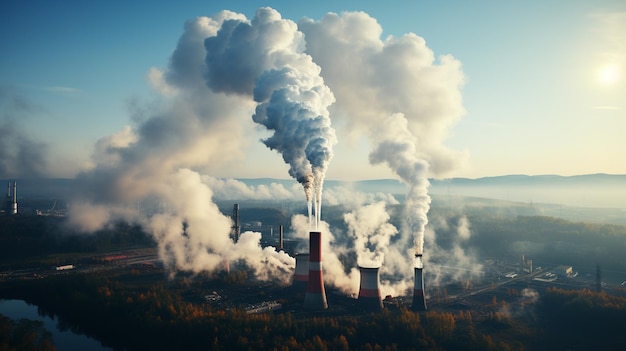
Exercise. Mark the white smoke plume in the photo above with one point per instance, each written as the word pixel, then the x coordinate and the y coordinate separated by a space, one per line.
pixel 397 93
pixel 371 232
pixel 375 246
pixel 227 68
pixel 452 261
pixel 397 147
pixel 263 58
pixel 192 129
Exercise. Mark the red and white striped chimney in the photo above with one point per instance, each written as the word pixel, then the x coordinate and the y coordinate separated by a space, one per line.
pixel 301 276
pixel 369 291
pixel 419 300
pixel 315 298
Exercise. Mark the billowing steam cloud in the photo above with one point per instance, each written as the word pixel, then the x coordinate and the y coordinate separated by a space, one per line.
pixel 396 92
pixel 396 147
pixel 196 127
pixel 226 69
pixel 371 231
pixel 201 241
pixel 264 58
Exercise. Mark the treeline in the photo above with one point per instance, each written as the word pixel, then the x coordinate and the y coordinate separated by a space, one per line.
pixel 23 237
pixel 158 319
pixel 24 335
pixel 550 240
pixel 582 320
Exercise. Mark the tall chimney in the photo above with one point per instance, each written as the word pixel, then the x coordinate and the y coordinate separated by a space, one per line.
pixel 14 207
pixel 301 276
pixel 235 230
pixel 369 291
pixel 315 298
pixel 280 237
pixel 419 301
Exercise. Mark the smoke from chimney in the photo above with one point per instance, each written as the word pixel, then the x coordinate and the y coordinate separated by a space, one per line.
pixel 399 95
pixel 227 68
pixel 291 95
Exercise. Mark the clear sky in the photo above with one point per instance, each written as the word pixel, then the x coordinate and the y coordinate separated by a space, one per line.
pixel 544 81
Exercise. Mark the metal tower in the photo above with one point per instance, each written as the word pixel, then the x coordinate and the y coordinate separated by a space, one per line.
pixel 235 230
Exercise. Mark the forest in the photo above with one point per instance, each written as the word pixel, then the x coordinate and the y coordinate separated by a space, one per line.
pixel 32 237
pixel 24 335
pixel 158 318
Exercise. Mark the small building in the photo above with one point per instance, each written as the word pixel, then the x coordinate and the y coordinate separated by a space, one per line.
pixel 564 271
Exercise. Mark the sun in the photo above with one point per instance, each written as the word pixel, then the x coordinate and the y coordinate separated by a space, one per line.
pixel 609 74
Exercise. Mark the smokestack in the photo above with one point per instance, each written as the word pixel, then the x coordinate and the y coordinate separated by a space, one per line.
pixel 301 276
pixel 419 301
pixel 235 230
pixel 315 298
pixel 280 238
pixel 14 207
pixel 369 291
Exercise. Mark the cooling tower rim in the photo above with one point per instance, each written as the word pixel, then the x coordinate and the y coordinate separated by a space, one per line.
pixel 369 267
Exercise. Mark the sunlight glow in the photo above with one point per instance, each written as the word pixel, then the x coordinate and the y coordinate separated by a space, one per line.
pixel 609 74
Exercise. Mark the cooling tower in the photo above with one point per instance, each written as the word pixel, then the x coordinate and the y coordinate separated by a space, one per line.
pixel 369 291
pixel 419 301
pixel 301 276
pixel 315 298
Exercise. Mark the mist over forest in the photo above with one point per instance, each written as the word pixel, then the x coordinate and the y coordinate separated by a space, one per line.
pixel 596 198
pixel 570 220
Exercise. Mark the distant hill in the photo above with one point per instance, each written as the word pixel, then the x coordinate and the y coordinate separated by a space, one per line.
pixel 590 190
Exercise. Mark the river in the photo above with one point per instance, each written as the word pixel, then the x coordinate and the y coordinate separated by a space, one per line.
pixel 64 340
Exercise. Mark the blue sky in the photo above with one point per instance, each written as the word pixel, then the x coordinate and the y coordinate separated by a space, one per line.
pixel 544 91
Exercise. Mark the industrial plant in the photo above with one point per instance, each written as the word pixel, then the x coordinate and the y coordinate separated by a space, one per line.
pixel 307 289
